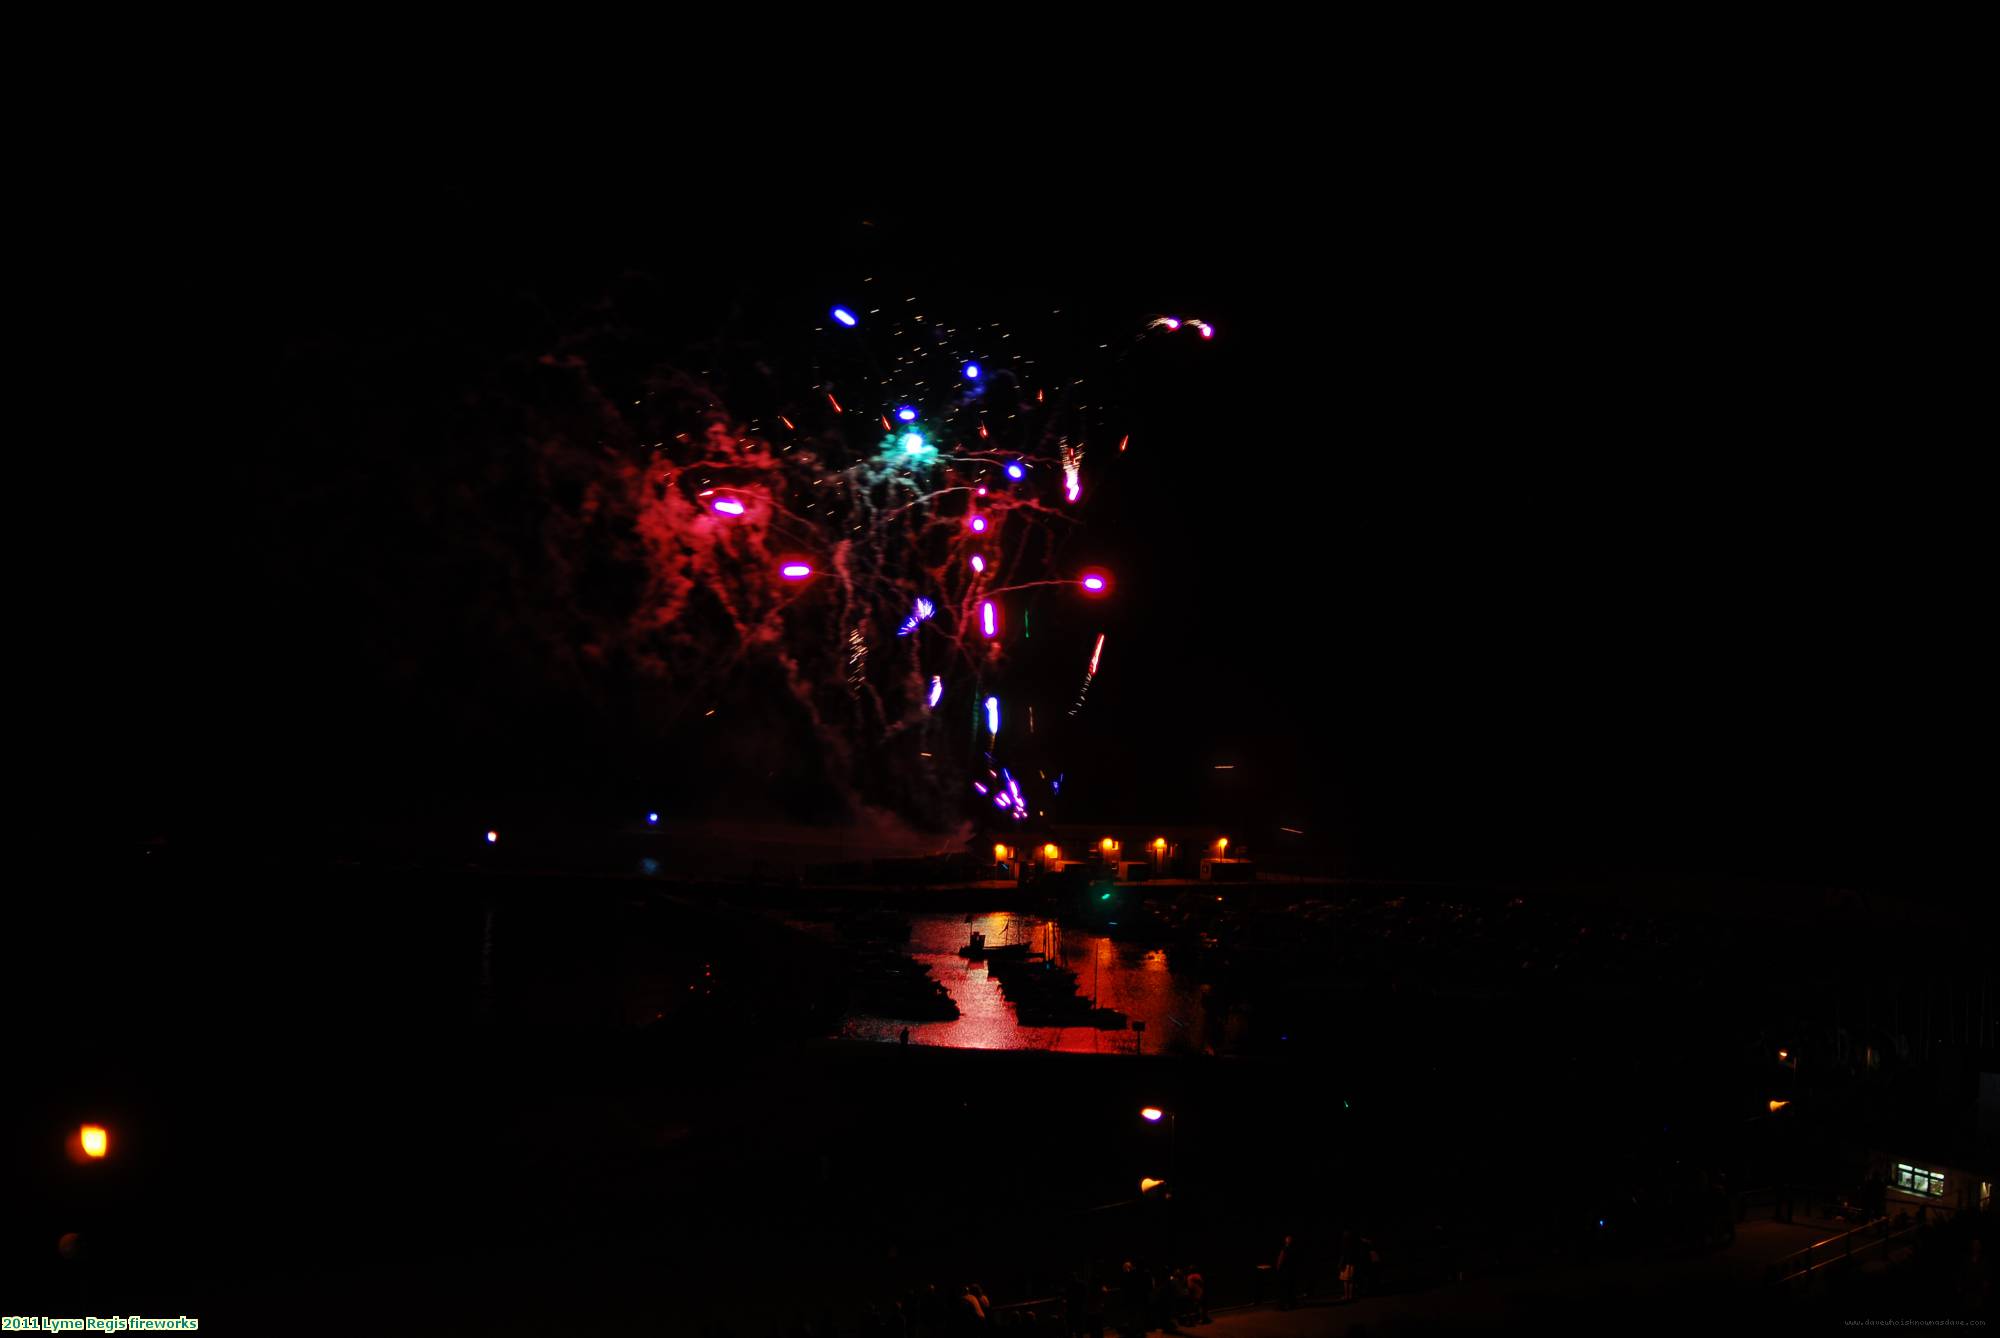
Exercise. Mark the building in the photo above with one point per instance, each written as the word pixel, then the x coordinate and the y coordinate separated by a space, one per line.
pixel 1946 1169
pixel 1933 1184
pixel 1127 852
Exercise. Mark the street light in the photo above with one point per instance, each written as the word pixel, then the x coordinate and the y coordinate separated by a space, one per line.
pixel 87 1143
pixel 1147 1185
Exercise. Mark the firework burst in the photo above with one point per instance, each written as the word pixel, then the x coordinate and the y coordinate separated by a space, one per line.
pixel 803 549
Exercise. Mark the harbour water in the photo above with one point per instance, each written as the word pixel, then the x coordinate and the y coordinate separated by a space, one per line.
pixel 1135 980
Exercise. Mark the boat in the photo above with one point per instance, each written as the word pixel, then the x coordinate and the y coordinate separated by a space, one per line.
pixel 977 949
pixel 889 984
pixel 1043 993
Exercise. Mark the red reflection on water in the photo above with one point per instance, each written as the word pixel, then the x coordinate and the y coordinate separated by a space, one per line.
pixel 1135 982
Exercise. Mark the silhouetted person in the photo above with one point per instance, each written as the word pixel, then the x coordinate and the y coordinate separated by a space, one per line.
pixel 1197 1286
pixel 1075 1301
pixel 1134 1295
pixel 1093 1305
pixel 1180 1302
pixel 1160 1314
pixel 971 1314
pixel 905 1038
pixel 1975 1288
pixel 1287 1269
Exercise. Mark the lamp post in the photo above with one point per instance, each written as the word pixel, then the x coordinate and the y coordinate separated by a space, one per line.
pixel 1786 1138
pixel 1153 1115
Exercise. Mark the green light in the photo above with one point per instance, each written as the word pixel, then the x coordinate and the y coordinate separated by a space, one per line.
pixel 913 442
pixel 1105 897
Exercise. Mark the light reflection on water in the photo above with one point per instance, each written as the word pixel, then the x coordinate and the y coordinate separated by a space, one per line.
pixel 1133 980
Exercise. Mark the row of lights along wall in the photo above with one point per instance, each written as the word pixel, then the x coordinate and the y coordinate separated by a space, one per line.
pixel 1109 850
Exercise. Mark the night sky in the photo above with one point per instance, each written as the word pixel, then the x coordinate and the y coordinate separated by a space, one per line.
pixel 1546 521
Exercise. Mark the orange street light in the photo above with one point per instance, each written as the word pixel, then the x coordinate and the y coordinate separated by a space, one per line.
pixel 1153 1113
pixel 96 1142
pixel 1148 1185
pixel 1777 1105
pixel 1222 846
pixel 999 852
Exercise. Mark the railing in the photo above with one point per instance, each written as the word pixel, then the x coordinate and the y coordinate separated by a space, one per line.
pixel 1050 1313
pixel 1845 1248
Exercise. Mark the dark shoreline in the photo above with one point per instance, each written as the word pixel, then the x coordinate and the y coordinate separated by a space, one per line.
pixel 358 1066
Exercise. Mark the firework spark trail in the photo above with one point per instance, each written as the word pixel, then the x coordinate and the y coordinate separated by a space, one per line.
pixel 1089 674
pixel 857 658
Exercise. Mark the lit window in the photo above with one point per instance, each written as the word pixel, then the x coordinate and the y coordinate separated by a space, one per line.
pixel 1918 1180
